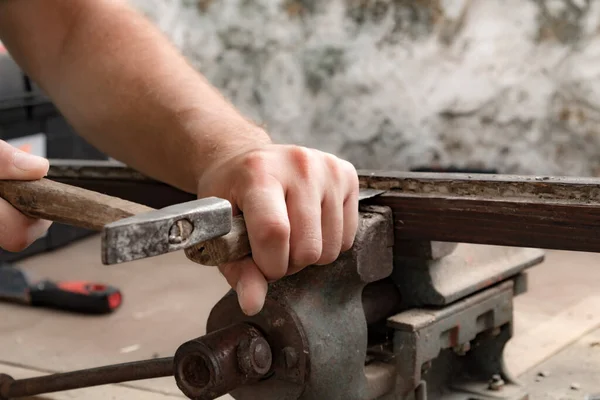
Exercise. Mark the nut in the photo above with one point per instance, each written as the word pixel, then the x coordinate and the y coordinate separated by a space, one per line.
pixel 496 383
pixel 254 356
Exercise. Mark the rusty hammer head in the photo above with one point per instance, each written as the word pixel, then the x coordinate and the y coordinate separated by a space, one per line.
pixel 162 231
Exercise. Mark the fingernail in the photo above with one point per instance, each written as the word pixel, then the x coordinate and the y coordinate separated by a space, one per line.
pixel 249 306
pixel 239 288
pixel 27 162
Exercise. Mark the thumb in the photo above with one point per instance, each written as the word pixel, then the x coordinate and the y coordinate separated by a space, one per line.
pixel 249 283
pixel 16 164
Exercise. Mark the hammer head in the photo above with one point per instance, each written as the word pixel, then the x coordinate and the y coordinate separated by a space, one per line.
pixel 162 231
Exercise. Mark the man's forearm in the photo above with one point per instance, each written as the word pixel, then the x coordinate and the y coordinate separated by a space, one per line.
pixel 146 106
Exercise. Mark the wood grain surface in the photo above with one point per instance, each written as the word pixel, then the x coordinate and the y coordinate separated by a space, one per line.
pixel 233 246
pixel 67 204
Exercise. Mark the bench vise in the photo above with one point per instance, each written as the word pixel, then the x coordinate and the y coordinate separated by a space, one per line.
pixel 420 308
pixel 378 323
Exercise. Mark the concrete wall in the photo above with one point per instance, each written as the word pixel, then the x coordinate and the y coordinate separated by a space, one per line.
pixel 507 84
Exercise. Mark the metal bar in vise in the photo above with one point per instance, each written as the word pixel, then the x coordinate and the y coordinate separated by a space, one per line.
pixel 520 211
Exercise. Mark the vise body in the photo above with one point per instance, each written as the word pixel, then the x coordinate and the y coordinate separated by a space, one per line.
pixel 388 320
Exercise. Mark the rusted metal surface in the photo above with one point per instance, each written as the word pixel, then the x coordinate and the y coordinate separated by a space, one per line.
pixel 133 371
pixel 541 212
pixel 316 323
pixel 489 186
pixel 213 365
pixel 456 328
pixel 424 249
pixel 94 169
pixel 380 300
pixel 152 233
pixel 381 379
pixel 466 271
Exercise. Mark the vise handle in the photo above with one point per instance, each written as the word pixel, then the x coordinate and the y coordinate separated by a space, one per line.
pixel 67 204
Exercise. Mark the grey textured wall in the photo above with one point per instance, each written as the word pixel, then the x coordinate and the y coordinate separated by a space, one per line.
pixel 507 84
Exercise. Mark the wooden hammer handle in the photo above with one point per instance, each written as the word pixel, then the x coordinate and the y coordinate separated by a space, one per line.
pixel 67 204
pixel 231 247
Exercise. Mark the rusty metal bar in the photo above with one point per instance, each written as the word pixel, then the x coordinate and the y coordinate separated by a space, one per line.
pixel 133 371
pixel 520 211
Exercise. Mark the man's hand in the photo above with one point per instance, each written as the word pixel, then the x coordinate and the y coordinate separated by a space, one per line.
pixel 300 207
pixel 17 231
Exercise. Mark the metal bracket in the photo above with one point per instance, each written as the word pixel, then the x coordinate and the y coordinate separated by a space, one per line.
pixel 469 334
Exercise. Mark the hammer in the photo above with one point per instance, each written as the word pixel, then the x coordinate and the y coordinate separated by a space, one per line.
pixel 130 231
pixel 204 228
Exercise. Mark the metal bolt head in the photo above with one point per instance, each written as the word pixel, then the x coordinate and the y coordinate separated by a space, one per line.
pixel 496 383
pixel 180 231
pixel 462 349
pixel 290 357
pixel 254 356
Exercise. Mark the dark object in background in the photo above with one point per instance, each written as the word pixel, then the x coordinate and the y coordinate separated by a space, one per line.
pixel 75 296
pixel 26 113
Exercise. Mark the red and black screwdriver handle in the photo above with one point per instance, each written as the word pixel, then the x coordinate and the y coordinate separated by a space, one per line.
pixel 76 296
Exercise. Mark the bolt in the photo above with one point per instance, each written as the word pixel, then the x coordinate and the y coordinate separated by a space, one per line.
pixel 180 231
pixel 254 356
pixel 425 367
pixel 290 357
pixel 496 383
pixel 462 349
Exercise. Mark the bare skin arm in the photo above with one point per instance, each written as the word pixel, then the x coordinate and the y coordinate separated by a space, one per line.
pixel 127 90
pixel 123 86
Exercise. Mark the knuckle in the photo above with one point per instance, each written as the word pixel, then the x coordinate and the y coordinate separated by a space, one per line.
pixel 334 166
pixel 255 162
pixel 273 230
pixel 302 158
